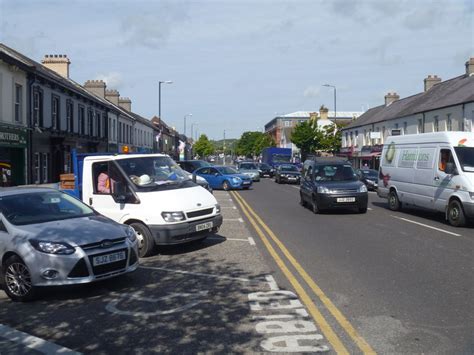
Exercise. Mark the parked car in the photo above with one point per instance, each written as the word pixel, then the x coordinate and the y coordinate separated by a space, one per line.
pixel 369 177
pixel 190 165
pixel 287 173
pixel 224 177
pixel 49 238
pixel 265 170
pixel 331 183
pixel 250 169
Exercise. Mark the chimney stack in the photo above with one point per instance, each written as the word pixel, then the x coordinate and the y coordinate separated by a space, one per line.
pixel 58 63
pixel 96 87
pixel 112 96
pixel 391 97
pixel 323 113
pixel 470 67
pixel 125 103
pixel 430 81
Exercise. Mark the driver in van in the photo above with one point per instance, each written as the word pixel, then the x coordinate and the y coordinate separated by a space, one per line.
pixel 444 159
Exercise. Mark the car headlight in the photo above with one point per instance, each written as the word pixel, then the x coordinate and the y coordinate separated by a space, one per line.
pixel 363 188
pixel 218 208
pixel 323 190
pixel 173 216
pixel 131 234
pixel 472 195
pixel 52 247
pixel 236 180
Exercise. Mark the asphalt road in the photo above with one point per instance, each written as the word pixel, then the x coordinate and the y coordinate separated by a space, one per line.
pixel 404 280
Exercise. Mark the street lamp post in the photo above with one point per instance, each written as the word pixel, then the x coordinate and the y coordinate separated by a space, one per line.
pixel 224 147
pixel 192 129
pixel 186 115
pixel 335 109
pixel 159 95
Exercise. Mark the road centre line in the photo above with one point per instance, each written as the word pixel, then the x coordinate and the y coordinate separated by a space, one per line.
pixel 427 226
pixel 313 310
pixel 33 342
pixel 241 279
pixel 341 319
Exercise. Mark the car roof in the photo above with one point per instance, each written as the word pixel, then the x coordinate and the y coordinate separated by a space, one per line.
pixel 328 160
pixel 17 190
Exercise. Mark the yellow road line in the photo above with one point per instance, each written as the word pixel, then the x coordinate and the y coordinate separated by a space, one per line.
pixel 313 310
pixel 361 343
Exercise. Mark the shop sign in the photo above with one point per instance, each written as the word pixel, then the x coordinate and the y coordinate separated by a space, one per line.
pixel 12 138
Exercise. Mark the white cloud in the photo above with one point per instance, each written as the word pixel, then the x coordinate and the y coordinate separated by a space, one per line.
pixel 312 91
pixel 113 80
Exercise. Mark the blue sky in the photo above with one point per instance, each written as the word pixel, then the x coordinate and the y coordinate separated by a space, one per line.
pixel 236 64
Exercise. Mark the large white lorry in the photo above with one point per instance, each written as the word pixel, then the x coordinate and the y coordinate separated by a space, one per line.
pixel 149 192
pixel 431 170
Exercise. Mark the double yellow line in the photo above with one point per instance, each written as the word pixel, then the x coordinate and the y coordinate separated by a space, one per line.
pixel 332 337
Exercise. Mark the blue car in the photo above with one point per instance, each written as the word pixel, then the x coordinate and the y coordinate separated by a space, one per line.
pixel 224 177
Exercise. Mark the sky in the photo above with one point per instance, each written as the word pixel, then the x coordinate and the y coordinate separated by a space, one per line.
pixel 236 64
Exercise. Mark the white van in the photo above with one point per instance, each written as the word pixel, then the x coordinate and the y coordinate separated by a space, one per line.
pixel 430 170
pixel 149 192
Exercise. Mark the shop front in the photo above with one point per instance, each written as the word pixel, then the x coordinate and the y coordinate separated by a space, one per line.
pixel 368 157
pixel 13 145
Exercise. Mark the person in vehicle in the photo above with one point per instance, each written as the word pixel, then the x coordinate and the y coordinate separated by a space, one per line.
pixel 445 157
pixel 104 182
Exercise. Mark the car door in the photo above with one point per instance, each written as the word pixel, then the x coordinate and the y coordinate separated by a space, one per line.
pixel 306 187
pixel 206 174
pixel 443 184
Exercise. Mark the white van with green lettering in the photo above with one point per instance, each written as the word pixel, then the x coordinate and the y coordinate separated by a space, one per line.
pixel 430 170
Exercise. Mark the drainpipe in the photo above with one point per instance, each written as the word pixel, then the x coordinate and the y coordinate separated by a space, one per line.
pixel 29 129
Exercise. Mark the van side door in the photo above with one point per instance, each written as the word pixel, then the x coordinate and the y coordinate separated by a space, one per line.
pixel 443 184
pixel 307 184
pixel 424 176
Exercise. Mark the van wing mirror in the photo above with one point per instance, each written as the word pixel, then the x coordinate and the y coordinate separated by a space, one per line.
pixel 119 191
pixel 451 169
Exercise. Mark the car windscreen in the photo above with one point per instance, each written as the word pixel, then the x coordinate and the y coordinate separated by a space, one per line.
pixel 334 172
pixel 288 167
pixel 371 174
pixel 153 170
pixel 248 166
pixel 466 158
pixel 226 170
pixel 196 164
pixel 280 158
pixel 40 207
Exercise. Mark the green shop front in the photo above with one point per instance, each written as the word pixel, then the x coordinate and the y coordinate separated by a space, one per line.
pixel 13 145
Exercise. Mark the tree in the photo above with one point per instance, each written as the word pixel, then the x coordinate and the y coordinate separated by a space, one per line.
pixel 203 147
pixel 304 136
pixel 310 138
pixel 252 143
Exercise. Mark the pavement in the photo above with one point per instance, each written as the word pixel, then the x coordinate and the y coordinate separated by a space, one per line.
pixel 214 296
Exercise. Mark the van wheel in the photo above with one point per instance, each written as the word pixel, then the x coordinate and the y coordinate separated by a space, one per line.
pixel 393 201
pixel 314 206
pixel 146 244
pixel 456 214
pixel 226 186
pixel 17 280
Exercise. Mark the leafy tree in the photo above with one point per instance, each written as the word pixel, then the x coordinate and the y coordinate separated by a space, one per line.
pixel 262 142
pixel 203 147
pixel 310 138
pixel 252 143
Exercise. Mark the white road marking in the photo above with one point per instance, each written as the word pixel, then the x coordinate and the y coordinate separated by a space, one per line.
pixel 234 220
pixel 233 239
pixel 241 279
pixel 251 241
pixel 33 342
pixel 272 283
pixel 233 207
pixel 427 226
pixel 370 209
pixel 194 297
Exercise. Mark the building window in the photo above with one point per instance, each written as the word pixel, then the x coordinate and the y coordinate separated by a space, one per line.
pixel 436 124
pixel 55 124
pixel 70 116
pixel 449 123
pixel 44 167
pixel 81 119
pixel 18 102
pixel 405 127
pixel 37 108
pixel 104 126
pixel 114 131
pixel 287 123
pixel 90 127
pixel 36 168
pixel 420 126
pixel 98 119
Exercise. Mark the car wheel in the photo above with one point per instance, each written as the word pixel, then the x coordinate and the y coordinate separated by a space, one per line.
pixel 226 186
pixel 314 206
pixel 363 209
pixel 146 244
pixel 393 202
pixel 17 280
pixel 456 215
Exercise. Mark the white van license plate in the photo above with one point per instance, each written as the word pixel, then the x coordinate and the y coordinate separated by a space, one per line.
pixel 204 226
pixel 346 199
pixel 108 258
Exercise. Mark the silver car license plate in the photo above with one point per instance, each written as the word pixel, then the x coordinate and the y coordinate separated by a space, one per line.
pixel 203 226
pixel 346 199
pixel 108 258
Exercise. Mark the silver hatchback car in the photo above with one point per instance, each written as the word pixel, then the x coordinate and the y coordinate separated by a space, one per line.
pixel 49 238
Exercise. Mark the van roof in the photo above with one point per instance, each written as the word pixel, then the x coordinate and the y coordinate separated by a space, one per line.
pixel 317 160
pixel 121 156
pixel 452 138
